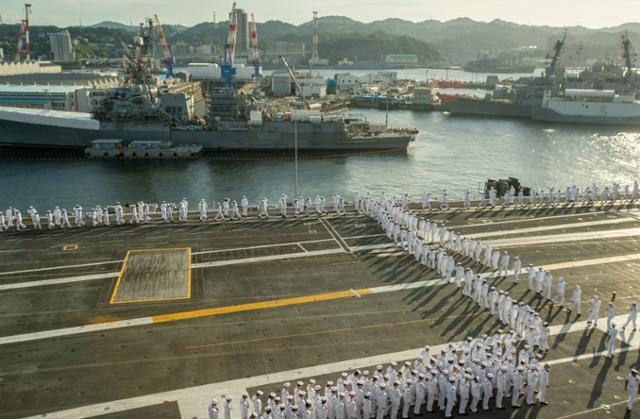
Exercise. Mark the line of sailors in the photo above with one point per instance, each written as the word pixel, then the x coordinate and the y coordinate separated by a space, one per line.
pixel 414 236
pixel 140 213
pixel 467 377
pixel 571 195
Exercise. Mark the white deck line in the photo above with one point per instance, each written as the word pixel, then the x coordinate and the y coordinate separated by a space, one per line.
pixel 76 330
pixel 269 258
pixel 549 217
pixel 54 268
pixel 551 227
pixel 568 237
pixel 329 229
pixel 193 401
pixel 57 281
pixel 261 246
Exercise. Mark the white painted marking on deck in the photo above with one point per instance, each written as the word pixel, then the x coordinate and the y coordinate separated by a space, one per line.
pixel 262 246
pixel 57 281
pixel 269 258
pixel 302 247
pixel 355 293
pixel 550 227
pixel 563 238
pixel 335 236
pixel 54 268
pixel 550 217
pixel 407 286
pixel 89 328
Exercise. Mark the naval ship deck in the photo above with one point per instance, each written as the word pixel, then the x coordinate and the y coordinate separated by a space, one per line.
pixel 86 330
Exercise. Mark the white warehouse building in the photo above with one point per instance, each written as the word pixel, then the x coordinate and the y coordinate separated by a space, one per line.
pixel 313 87
pixel 348 82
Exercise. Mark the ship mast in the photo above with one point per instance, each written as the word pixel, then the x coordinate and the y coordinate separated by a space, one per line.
pixel 552 70
pixel 628 59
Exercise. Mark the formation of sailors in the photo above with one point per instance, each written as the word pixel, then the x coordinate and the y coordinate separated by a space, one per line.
pixel 431 246
pixel 491 371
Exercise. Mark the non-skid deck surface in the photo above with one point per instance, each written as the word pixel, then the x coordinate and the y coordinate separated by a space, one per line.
pixel 153 275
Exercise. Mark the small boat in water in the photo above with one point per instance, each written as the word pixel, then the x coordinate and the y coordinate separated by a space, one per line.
pixel 105 149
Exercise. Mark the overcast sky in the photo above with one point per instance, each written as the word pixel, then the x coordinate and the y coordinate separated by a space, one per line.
pixel 590 13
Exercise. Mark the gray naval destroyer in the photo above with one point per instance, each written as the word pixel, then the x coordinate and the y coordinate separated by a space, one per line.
pixel 130 113
pixel 593 97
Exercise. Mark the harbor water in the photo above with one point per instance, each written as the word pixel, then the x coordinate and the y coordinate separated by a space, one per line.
pixel 450 152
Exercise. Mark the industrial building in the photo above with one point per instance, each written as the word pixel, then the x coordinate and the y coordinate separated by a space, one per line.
pixel 313 87
pixel 60 98
pixel 61 47
pixel 28 67
pixel 281 83
pixel 76 78
pixel 347 82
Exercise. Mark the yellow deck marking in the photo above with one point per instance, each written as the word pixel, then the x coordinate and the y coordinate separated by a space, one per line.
pixel 208 312
pixel 124 264
pixel 117 287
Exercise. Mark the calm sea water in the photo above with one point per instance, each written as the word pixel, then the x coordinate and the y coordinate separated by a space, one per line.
pixel 450 152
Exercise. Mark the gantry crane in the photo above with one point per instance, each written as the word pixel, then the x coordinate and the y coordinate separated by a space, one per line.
pixel 227 69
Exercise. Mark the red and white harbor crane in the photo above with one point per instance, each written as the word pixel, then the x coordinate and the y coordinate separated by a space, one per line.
pixel 254 46
pixel 166 51
pixel 23 36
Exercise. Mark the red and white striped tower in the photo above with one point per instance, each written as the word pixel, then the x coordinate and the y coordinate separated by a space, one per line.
pixel 254 42
pixel 27 46
pixel 315 54
pixel 19 46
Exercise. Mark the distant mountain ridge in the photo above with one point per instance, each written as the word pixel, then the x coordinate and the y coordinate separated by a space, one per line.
pixel 114 25
pixel 456 41
pixel 460 39
pixel 121 26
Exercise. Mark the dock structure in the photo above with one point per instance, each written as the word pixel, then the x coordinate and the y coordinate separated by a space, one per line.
pixel 156 320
